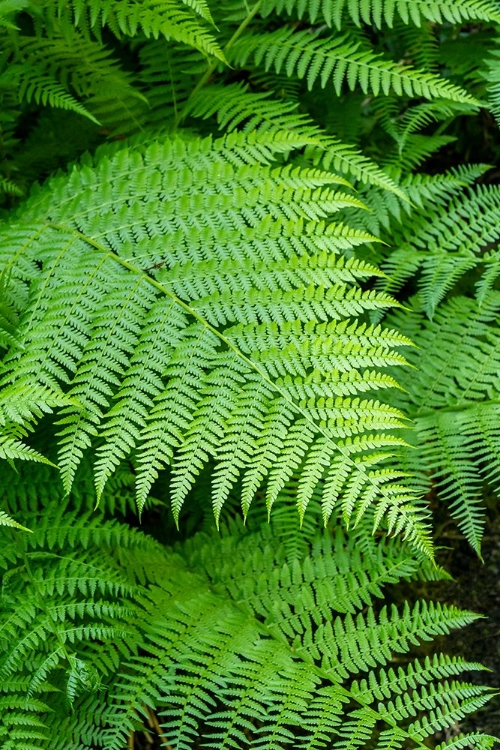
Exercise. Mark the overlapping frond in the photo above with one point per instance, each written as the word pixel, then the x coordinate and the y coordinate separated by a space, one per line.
pixel 237 107
pixel 229 637
pixel 219 320
pixel 388 216
pixel 379 12
pixel 338 61
pixel 168 75
pixel 6 520
pixel 73 72
pixel 443 245
pixel 34 85
pixel 411 146
pixel 186 21
pixel 491 74
pixel 454 401
pixel 59 605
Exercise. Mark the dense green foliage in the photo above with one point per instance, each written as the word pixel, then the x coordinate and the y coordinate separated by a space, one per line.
pixel 249 272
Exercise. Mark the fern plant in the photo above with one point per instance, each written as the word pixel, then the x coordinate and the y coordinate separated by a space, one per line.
pixel 226 301
pixel 260 637
pixel 57 56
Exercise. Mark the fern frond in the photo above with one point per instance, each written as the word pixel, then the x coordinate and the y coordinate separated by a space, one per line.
pixel 387 214
pixel 83 70
pixel 235 636
pixel 168 76
pixel 185 21
pixel 443 246
pixel 6 520
pixel 12 449
pixel 38 486
pixel 453 400
pixel 21 406
pixel 416 149
pixel 419 45
pixel 412 147
pixel 8 10
pixel 490 262
pixel 237 107
pixel 34 85
pixel 339 60
pixel 492 77
pixel 217 333
pixel 481 741
pixel 9 187
pixel 379 12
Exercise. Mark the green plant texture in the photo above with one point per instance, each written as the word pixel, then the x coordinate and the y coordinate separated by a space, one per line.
pixel 249 335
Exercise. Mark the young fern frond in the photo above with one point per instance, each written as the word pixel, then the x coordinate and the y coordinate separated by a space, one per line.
pixel 231 637
pixel 241 344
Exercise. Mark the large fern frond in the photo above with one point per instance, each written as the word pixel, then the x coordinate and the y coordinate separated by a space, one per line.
pixel 217 321
pixel 237 107
pixel 234 637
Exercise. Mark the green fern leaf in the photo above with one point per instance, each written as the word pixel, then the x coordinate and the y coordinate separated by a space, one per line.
pixel 6 520
pixel 453 400
pixel 379 12
pixel 32 85
pixel 339 60
pixel 445 245
pixel 237 635
pixel 236 107
pixel 161 353
pixel 177 20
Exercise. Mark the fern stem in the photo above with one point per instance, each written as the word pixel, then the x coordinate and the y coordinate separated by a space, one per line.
pixel 212 67
pixel 241 28
pixel 155 724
